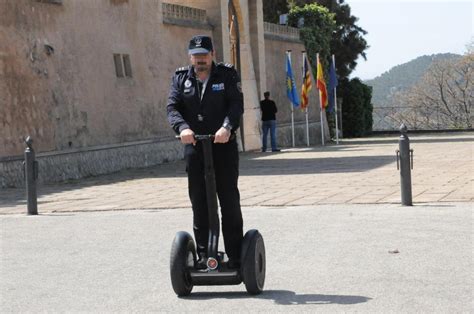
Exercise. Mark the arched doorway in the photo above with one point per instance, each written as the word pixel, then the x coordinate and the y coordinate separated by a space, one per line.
pixel 234 41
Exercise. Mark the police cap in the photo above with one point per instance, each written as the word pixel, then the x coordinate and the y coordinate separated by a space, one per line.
pixel 200 44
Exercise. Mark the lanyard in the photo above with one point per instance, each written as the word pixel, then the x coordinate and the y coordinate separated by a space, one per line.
pixel 204 84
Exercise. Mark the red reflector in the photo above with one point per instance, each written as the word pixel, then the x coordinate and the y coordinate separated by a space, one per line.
pixel 212 263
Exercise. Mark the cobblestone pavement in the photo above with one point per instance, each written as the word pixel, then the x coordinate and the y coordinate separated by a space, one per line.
pixel 357 171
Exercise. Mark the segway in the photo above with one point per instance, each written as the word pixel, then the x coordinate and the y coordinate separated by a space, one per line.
pixel 185 275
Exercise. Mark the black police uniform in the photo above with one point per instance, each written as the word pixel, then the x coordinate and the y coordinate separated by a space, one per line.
pixel 221 105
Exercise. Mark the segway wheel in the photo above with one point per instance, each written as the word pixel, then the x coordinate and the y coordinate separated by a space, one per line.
pixel 253 262
pixel 183 255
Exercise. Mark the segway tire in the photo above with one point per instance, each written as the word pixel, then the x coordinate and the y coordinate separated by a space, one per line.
pixel 183 256
pixel 253 262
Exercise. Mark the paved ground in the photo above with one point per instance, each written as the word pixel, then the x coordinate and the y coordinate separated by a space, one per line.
pixel 329 216
pixel 359 171
pixel 323 258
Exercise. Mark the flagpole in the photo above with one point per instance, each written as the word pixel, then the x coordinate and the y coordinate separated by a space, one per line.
pixel 292 125
pixel 292 111
pixel 335 103
pixel 306 109
pixel 322 126
pixel 307 127
pixel 320 102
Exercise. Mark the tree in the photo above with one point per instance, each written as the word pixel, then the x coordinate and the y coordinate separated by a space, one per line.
pixel 315 31
pixel 272 10
pixel 347 42
pixel 368 108
pixel 470 46
pixel 357 108
pixel 441 99
pixel 445 95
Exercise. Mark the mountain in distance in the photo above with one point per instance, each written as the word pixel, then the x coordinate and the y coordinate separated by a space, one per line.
pixel 402 77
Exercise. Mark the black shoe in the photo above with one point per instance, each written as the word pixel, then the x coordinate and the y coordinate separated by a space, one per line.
pixel 276 150
pixel 201 263
pixel 233 264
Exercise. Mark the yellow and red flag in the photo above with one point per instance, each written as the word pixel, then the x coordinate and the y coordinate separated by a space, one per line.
pixel 306 87
pixel 321 84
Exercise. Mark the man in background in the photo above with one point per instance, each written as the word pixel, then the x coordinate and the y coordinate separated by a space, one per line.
pixel 269 110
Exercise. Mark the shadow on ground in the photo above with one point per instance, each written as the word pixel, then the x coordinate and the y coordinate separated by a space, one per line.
pixel 290 166
pixel 283 297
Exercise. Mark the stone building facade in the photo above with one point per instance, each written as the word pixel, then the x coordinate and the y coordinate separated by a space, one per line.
pixel 88 80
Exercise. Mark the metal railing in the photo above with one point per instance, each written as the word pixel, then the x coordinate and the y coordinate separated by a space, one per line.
pixel 415 117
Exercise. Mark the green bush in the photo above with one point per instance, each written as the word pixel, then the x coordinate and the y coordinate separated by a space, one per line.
pixel 356 108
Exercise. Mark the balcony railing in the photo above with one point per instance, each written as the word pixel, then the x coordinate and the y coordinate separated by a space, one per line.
pixel 281 30
pixel 180 12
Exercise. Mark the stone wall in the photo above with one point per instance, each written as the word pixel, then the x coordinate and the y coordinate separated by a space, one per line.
pixel 58 83
pixel 58 80
pixel 86 162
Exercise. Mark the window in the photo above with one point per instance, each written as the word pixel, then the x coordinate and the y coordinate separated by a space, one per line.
pixel 127 65
pixel 118 65
pixel 123 66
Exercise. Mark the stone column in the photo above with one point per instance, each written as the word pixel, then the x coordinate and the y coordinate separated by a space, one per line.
pixel 249 82
pixel 257 42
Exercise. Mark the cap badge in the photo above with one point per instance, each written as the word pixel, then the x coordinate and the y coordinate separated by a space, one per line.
pixel 198 42
pixel 187 84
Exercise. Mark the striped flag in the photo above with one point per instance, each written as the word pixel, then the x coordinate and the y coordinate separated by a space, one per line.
pixel 306 87
pixel 321 84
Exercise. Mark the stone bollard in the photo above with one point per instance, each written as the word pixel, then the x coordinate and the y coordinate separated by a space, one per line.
pixel 31 175
pixel 405 164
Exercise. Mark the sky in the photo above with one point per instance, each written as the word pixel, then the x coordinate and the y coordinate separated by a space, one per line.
pixel 402 30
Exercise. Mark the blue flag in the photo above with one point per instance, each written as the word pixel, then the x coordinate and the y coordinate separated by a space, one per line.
pixel 290 84
pixel 331 87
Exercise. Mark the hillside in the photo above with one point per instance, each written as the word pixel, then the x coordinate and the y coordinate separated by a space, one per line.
pixel 402 77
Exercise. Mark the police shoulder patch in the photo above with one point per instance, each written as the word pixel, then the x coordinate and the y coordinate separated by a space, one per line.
pixel 227 65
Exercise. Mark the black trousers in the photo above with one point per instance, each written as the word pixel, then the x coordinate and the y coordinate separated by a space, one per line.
pixel 226 167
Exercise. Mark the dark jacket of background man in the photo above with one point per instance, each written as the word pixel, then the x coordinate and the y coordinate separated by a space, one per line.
pixel 269 109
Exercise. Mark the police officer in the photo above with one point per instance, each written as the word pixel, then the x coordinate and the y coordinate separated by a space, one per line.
pixel 206 98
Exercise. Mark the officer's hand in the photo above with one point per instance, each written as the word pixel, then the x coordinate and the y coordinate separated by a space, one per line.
pixel 187 137
pixel 222 136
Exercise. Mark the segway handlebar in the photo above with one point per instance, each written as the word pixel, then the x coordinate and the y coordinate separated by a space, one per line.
pixel 200 137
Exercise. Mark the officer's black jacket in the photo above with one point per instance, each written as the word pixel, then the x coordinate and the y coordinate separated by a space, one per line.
pixel 222 101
